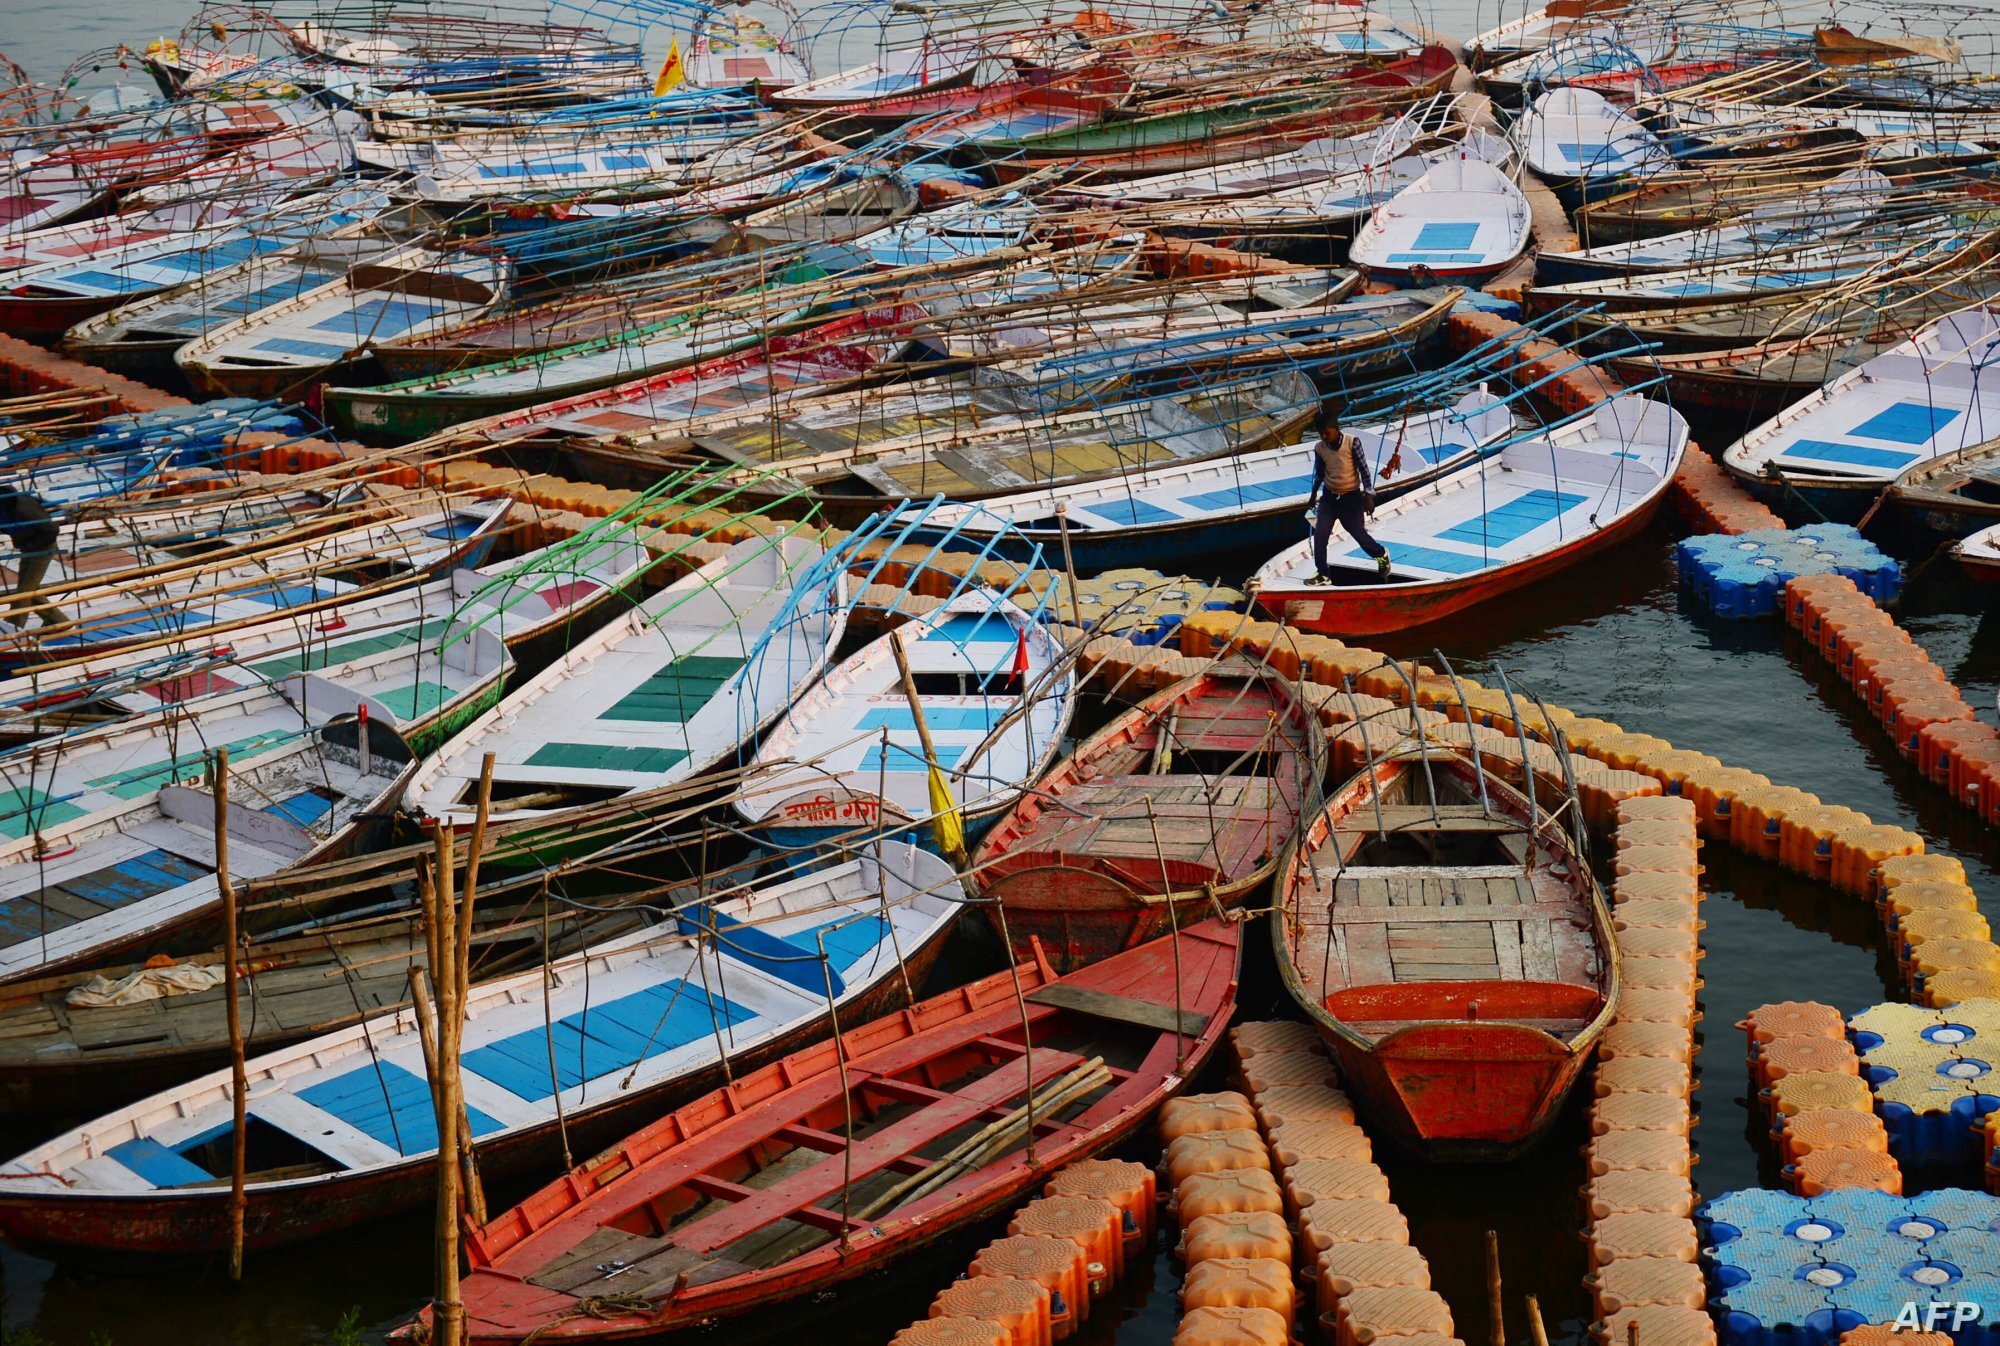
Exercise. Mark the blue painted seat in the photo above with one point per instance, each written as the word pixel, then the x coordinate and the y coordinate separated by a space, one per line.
pixel 388 1104
pixel 157 1164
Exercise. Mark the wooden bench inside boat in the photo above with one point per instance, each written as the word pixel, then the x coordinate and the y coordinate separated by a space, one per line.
pixel 1395 926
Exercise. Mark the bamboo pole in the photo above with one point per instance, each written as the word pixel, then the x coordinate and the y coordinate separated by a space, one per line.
pixel 1537 1330
pixel 435 886
pixel 1496 1330
pixel 238 1078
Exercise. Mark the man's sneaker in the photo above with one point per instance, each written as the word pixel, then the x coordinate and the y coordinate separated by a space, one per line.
pixel 1318 580
pixel 1382 565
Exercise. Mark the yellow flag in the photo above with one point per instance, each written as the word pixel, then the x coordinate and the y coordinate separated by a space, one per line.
pixel 671 73
pixel 945 824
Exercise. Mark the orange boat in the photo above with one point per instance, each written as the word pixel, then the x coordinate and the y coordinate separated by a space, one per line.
pixel 1178 809
pixel 1448 941
pixel 841 1160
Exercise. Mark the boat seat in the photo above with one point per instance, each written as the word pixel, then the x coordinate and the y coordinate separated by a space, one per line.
pixel 382 1101
pixel 1430 1001
pixel 612 1036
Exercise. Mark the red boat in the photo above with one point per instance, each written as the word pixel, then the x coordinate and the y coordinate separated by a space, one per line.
pixel 1452 949
pixel 752 1196
pixel 1495 525
pixel 1180 807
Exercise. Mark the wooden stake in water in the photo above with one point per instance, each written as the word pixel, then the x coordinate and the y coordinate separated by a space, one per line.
pixel 1537 1330
pixel 1496 1331
pixel 238 1081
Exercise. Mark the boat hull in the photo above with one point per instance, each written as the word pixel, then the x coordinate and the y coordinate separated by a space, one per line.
pixel 1466 1092
pixel 1080 917
pixel 189 1223
pixel 1375 610
pixel 44 318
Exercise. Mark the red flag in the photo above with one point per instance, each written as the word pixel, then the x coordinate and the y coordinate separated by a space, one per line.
pixel 1021 652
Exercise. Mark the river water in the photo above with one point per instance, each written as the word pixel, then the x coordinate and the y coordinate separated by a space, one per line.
pixel 1612 640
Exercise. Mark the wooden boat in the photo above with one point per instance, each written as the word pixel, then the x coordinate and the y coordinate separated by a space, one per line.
pixel 278 351
pixel 1463 220
pixel 128 865
pixel 1841 447
pixel 41 193
pixel 1176 141
pixel 594 315
pixel 1709 193
pixel 671 689
pixel 1891 307
pixel 968 117
pixel 1538 29
pixel 740 51
pixel 925 68
pixel 810 362
pixel 1955 494
pixel 1914 247
pixel 530 604
pixel 1347 28
pixel 702 325
pixel 1176 810
pixel 1172 514
pixel 1453 951
pixel 1979 555
pixel 341 1127
pixel 1748 384
pixel 847 757
pixel 138 598
pixel 1542 504
pixel 739 1200
pixel 1842 205
pixel 641 160
pixel 42 302
pixel 1582 146
pixel 138 339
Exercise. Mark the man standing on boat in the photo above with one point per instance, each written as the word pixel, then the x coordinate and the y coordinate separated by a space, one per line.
pixel 26 522
pixel 1343 492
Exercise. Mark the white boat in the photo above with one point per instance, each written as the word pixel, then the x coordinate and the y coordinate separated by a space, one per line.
pixel 1348 28
pixel 1921 399
pixel 139 339
pixel 132 596
pixel 1465 219
pixel 129 860
pixel 1980 554
pixel 736 50
pixel 38 192
pixel 1820 214
pixel 1538 29
pixel 1580 144
pixel 476 165
pixel 1916 244
pixel 312 153
pixel 111 276
pixel 669 690
pixel 387 650
pixel 577 1054
pixel 279 350
pixel 898 74
pixel 1179 511
pixel 848 757
pixel 1544 502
